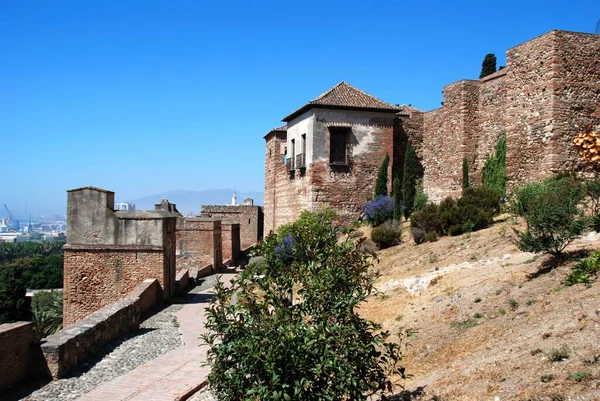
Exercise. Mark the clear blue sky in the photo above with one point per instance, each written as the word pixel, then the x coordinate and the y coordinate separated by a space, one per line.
pixel 140 97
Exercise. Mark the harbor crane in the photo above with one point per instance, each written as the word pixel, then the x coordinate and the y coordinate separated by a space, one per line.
pixel 11 219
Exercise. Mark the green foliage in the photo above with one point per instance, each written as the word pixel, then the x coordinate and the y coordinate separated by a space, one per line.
pixel 471 212
pixel 579 376
pixel 464 324
pixel 263 346
pixel 488 66
pixel 14 305
pixel 465 174
pixel 493 174
pixel 583 271
pixel 552 216
pixel 592 188
pixel 397 196
pixel 426 224
pixel 595 222
pixel 387 234
pixel 382 178
pixel 47 307
pixel 421 200
pixel 41 263
pixel 413 171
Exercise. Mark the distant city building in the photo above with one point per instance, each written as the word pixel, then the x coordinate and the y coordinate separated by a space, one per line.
pixel 125 206
pixel 234 201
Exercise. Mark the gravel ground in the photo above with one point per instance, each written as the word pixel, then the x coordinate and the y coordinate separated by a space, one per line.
pixel 157 335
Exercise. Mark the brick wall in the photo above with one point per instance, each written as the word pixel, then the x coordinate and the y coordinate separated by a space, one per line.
pixel 16 340
pixel 72 345
pixel 250 218
pixel 275 174
pixel 198 244
pixel 545 96
pixel 230 238
pixel 96 276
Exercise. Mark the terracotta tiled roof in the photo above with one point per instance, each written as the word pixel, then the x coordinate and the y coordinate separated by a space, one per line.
pixel 345 96
pixel 282 128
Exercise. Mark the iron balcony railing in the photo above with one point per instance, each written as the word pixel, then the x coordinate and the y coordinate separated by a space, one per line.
pixel 301 160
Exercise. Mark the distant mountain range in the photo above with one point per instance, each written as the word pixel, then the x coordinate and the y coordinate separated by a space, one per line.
pixel 192 201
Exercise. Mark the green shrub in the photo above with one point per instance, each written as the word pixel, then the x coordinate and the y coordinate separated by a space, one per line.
pixel 397 196
pixel 593 194
pixel 465 174
pixel 552 216
pixel 584 270
pixel 47 307
pixel 426 224
pixel 382 178
pixel 558 354
pixel 413 171
pixel 595 222
pixel 387 234
pixel 14 305
pixel 264 347
pixel 493 174
pixel 579 376
pixel 482 197
pixel 421 200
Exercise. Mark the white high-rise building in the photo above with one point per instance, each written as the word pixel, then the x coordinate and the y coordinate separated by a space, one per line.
pixel 125 206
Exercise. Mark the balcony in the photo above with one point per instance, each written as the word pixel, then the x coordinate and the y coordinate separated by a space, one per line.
pixel 301 161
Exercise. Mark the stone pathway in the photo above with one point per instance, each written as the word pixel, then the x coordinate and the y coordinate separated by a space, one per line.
pixel 157 335
pixel 174 374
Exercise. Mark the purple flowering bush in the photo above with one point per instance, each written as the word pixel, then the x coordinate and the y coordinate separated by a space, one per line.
pixel 285 250
pixel 378 210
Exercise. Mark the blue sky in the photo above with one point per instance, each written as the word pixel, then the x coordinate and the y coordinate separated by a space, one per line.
pixel 140 97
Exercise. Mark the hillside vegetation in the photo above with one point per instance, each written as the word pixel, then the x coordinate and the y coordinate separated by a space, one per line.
pixel 486 321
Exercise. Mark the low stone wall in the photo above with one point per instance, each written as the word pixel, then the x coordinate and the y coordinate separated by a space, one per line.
pixel 76 342
pixel 16 340
pixel 182 279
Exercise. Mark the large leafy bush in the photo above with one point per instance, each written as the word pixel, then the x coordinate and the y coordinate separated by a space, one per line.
pixel 471 212
pixel 379 210
pixel 552 215
pixel 493 174
pixel 265 346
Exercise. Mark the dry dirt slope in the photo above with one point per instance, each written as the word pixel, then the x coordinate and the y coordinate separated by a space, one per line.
pixel 483 329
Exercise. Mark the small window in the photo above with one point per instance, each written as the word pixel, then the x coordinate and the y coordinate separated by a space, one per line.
pixel 337 145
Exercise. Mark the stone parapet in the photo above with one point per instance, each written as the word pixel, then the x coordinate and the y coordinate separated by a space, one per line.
pixel 76 342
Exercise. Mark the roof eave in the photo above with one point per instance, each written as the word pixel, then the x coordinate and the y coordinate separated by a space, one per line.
pixel 309 106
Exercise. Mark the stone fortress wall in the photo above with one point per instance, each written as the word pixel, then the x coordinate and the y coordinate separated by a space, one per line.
pixel 547 94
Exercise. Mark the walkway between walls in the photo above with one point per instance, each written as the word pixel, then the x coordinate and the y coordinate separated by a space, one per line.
pixel 174 375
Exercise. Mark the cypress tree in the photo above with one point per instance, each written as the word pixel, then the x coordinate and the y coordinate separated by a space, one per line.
pixel 412 172
pixel 382 177
pixel 465 171
pixel 397 193
pixel 488 66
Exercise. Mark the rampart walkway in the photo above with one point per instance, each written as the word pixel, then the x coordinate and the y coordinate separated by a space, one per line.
pixel 172 375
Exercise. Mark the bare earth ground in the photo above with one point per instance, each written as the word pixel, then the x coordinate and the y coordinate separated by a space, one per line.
pixel 484 327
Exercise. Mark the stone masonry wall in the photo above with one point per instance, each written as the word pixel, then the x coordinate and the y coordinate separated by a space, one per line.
pixel 75 343
pixel 16 340
pixel 198 244
pixel 96 276
pixel 250 219
pixel 547 94
pixel 230 238
pixel 275 172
